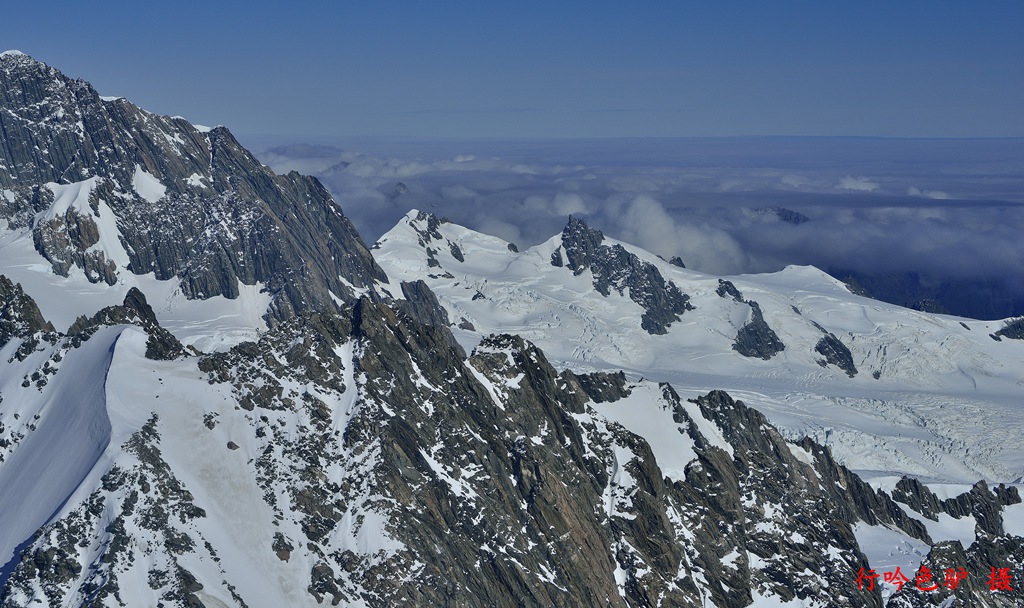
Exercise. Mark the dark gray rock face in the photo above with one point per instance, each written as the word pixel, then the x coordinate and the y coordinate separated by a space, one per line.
pixel 615 268
pixel 761 497
pixel 64 241
pixel 422 305
pixel 836 353
pixel 604 387
pixel 851 498
pixel 189 204
pixel 581 244
pixel 912 492
pixel 980 503
pixel 727 289
pixel 1013 330
pixel 992 549
pixel 930 305
pixel 19 313
pixel 786 215
pixel 982 566
pixel 554 485
pixel 756 338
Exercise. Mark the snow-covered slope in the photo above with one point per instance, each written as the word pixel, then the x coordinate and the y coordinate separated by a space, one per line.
pixel 68 429
pixel 932 396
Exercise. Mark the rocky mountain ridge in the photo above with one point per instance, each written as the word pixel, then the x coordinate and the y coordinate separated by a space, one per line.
pixel 386 463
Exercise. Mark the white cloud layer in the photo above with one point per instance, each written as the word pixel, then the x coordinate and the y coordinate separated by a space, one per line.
pixel 955 212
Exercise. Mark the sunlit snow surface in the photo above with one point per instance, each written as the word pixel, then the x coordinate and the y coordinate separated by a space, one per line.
pixel 72 430
pixel 947 404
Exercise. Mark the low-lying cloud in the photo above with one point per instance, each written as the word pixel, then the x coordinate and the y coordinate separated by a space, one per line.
pixel 859 184
pixel 952 212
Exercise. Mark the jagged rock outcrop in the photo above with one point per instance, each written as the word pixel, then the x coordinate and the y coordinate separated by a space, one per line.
pixel 952 571
pixel 985 575
pixel 19 314
pixel 603 386
pixel 836 353
pixel 159 195
pixel 728 289
pixel 757 338
pixel 162 345
pixel 981 504
pixel 421 304
pixel 615 268
pixel 1014 330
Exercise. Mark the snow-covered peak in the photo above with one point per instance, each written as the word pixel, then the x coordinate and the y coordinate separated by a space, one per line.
pixel 14 60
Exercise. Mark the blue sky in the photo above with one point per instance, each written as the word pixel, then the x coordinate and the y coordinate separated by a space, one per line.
pixel 537 69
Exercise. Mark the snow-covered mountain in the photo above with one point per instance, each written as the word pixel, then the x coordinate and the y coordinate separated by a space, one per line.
pixel 211 394
pixel 890 390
